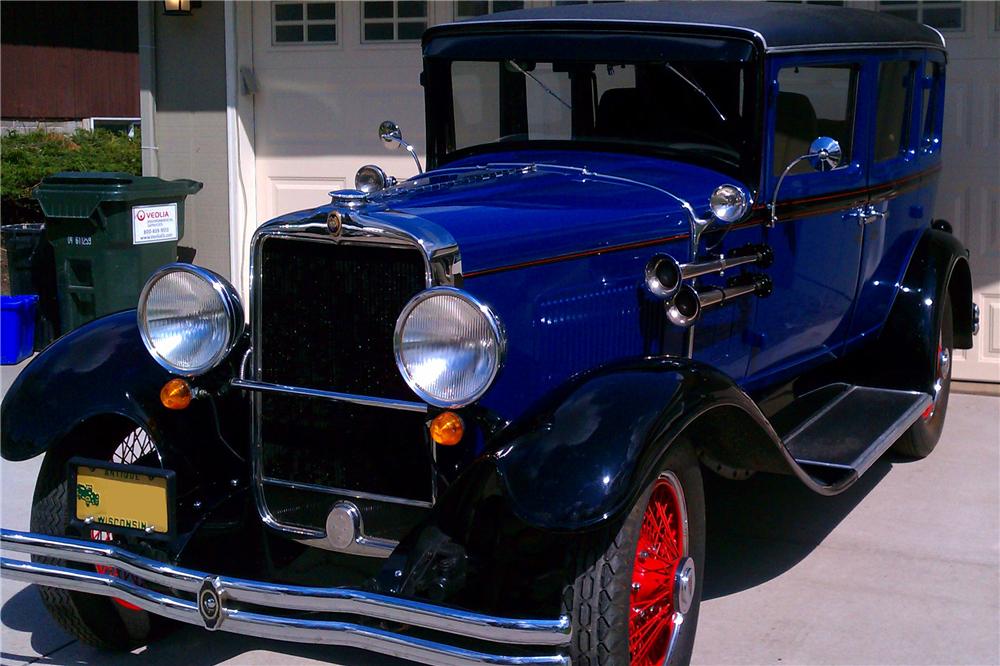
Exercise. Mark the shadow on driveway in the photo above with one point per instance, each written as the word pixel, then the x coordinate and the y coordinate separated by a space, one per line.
pixel 760 528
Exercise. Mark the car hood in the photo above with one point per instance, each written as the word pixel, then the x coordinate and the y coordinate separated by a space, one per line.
pixel 506 209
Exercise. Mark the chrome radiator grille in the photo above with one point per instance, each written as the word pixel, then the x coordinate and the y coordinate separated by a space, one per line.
pixel 328 313
pixel 325 318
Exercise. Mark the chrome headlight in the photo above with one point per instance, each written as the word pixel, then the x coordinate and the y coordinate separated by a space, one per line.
pixel 449 346
pixel 728 203
pixel 189 318
pixel 370 178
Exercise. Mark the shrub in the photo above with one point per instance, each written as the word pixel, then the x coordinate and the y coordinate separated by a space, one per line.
pixel 25 159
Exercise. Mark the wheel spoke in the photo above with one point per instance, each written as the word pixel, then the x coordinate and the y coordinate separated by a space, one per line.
pixel 659 552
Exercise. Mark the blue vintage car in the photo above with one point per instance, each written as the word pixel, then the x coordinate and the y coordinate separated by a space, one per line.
pixel 470 416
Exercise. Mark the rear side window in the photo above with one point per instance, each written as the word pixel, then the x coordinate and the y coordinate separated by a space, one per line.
pixel 895 81
pixel 813 102
pixel 930 99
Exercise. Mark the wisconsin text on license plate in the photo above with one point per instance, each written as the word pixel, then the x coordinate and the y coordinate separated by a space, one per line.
pixel 123 497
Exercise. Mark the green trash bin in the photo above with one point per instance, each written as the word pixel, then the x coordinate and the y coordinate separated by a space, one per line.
pixel 109 232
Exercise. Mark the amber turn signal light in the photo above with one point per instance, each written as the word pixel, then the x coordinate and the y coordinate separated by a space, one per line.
pixel 176 394
pixel 447 429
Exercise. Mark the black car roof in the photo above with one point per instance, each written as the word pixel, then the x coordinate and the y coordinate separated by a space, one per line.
pixel 776 26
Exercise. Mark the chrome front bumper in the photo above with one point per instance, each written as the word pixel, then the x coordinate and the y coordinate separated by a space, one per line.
pixel 283 612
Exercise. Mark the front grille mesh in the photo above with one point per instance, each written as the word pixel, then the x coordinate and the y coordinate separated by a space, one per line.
pixel 326 317
pixel 328 314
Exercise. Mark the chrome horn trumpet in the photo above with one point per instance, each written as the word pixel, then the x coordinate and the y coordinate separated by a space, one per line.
pixel 689 303
pixel 664 275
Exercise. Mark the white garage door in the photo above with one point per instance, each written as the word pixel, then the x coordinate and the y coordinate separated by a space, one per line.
pixel 969 196
pixel 328 73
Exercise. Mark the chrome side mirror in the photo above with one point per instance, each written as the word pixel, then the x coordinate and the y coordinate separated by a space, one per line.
pixel 390 133
pixel 824 154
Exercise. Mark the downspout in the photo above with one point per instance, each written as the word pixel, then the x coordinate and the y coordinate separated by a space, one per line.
pixel 147 88
pixel 232 150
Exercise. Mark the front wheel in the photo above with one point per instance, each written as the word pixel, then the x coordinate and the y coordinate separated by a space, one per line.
pixel 637 590
pixel 102 622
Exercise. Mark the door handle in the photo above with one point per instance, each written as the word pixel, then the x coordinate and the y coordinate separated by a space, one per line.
pixel 865 215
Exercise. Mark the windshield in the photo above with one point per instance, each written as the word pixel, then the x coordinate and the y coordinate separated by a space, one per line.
pixel 703 111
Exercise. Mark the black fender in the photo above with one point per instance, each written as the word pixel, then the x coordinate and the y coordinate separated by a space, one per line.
pixel 571 466
pixel 587 452
pixel 103 369
pixel 907 344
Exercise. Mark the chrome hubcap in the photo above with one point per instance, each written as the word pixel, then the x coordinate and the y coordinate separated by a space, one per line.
pixel 684 582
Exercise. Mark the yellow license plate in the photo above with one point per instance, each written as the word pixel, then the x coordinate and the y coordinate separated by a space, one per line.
pixel 122 497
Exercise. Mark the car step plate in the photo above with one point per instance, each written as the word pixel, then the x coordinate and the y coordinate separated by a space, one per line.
pixel 854 428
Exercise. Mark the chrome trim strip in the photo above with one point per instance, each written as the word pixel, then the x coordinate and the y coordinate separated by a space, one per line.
pixel 273 597
pixel 944 44
pixel 343 492
pixel 718 26
pixel 840 46
pixel 367 401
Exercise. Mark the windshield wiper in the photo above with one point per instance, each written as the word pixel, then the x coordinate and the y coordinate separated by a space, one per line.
pixel 697 89
pixel 544 87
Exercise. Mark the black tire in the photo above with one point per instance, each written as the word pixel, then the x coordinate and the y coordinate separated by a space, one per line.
pixel 923 436
pixel 598 599
pixel 95 620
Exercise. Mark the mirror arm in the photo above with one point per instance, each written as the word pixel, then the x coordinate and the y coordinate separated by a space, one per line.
pixel 413 153
pixel 774 199
pixel 410 149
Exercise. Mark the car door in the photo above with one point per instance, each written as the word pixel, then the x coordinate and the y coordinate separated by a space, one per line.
pixel 816 239
pixel 901 179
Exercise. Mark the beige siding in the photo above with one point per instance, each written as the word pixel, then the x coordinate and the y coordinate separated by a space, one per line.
pixel 191 123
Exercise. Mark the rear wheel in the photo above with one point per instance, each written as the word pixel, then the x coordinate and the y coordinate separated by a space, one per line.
pixel 98 621
pixel 637 590
pixel 923 436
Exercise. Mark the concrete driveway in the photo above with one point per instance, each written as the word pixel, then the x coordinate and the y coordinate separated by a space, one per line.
pixel 903 568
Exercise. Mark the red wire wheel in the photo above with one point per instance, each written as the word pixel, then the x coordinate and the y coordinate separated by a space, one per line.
pixel 663 576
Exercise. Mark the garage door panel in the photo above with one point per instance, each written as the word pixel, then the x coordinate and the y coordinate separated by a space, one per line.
pixel 299 193
pixel 334 121
pixel 318 107
pixel 969 193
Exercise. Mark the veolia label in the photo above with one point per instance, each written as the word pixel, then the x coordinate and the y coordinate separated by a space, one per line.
pixel 154 224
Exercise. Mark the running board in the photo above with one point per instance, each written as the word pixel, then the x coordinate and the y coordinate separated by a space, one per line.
pixel 850 428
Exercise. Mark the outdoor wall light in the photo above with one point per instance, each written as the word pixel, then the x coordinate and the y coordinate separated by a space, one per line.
pixel 179 7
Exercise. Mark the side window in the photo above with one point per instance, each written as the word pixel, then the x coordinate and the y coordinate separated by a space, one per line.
pixel 813 102
pixel 303 23
pixel 469 8
pixel 393 20
pixel 895 80
pixel 930 86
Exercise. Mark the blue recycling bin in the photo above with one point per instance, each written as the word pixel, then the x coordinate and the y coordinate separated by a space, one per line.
pixel 17 328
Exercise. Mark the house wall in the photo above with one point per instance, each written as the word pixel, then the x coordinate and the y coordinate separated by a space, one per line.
pixel 68 60
pixel 307 114
pixel 189 121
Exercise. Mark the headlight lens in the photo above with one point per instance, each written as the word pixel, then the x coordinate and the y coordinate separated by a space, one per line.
pixel 449 346
pixel 728 203
pixel 370 178
pixel 189 318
